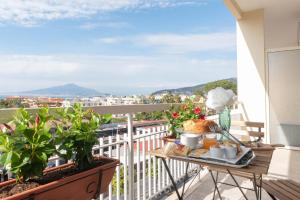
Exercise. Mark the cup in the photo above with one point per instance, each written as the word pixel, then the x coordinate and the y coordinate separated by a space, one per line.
pixel 190 140
pixel 216 152
pixel 209 140
pixel 230 152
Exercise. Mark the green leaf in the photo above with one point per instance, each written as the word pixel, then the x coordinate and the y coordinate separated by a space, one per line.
pixel 8 158
pixel 29 133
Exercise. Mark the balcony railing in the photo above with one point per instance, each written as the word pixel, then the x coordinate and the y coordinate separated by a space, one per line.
pixel 139 176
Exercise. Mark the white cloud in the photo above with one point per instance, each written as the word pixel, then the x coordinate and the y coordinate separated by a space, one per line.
pixel 110 40
pixel 104 24
pixel 125 74
pixel 179 43
pixel 31 12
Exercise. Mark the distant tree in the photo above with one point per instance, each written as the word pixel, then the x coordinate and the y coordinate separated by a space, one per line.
pixel 199 93
pixel 177 99
pixel 221 83
pixel 11 103
pixel 155 115
pixel 168 98
pixel 152 99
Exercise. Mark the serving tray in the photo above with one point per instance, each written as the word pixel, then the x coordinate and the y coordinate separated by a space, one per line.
pixel 244 151
pixel 243 162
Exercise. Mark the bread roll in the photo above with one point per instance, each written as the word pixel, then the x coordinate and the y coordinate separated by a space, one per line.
pixel 198 126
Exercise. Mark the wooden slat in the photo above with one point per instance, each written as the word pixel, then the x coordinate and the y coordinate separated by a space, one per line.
pixel 286 188
pixel 280 190
pixel 274 191
pixel 256 134
pixel 248 124
pixel 295 186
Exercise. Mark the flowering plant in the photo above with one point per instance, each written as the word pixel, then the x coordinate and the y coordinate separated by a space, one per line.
pixel 177 115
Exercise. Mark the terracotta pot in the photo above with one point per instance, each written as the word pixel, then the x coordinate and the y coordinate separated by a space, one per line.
pixel 169 138
pixel 82 186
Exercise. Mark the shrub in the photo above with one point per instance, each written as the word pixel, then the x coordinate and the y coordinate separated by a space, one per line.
pixel 76 134
pixel 26 150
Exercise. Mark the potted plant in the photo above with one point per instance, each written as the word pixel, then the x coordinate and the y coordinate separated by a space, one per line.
pixel 177 115
pixel 27 147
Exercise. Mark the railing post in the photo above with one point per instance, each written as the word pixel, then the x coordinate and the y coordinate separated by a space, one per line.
pixel 130 157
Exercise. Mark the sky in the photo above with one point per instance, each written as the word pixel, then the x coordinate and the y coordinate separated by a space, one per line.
pixel 115 46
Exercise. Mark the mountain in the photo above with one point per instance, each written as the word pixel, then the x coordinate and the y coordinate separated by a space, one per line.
pixel 68 90
pixel 189 90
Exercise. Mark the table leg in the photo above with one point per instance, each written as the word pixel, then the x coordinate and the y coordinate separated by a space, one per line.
pixel 185 179
pixel 216 184
pixel 260 186
pixel 237 184
pixel 255 187
pixel 217 176
pixel 172 180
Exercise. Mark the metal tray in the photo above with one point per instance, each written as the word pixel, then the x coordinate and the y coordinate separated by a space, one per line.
pixel 244 151
pixel 243 162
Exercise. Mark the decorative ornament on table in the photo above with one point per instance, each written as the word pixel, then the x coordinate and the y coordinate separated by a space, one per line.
pixel 219 99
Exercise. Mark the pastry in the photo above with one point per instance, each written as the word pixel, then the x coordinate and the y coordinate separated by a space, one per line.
pixel 198 126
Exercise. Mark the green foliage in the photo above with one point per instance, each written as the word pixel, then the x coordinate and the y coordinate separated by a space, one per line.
pixel 199 93
pixel 25 151
pixel 155 115
pixel 221 83
pixel 119 120
pixel 170 98
pixel 114 181
pixel 76 134
pixel 11 103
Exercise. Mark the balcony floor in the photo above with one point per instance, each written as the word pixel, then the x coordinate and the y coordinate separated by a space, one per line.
pixel 204 189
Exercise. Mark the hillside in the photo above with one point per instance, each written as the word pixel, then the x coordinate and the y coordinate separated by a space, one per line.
pixel 189 90
pixel 68 90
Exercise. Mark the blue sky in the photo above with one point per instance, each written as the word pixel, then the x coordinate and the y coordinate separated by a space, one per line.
pixel 115 46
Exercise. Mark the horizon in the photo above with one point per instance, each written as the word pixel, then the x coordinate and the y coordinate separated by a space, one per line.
pixel 27 93
pixel 132 47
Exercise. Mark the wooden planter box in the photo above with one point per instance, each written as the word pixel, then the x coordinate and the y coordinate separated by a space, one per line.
pixel 82 186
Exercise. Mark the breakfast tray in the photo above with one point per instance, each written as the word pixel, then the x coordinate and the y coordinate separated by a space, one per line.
pixel 234 161
pixel 244 161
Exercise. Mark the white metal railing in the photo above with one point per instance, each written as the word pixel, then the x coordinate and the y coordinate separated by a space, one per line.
pixel 148 175
pixel 140 175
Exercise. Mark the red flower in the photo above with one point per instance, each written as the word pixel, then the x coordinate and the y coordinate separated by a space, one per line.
pixel 202 117
pixel 197 110
pixel 175 115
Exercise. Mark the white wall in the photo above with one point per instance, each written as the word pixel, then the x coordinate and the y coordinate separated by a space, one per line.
pixel 281 30
pixel 251 65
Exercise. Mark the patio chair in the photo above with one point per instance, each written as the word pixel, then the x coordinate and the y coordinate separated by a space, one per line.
pixel 282 189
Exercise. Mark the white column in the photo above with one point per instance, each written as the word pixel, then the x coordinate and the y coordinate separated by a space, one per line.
pixel 130 157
